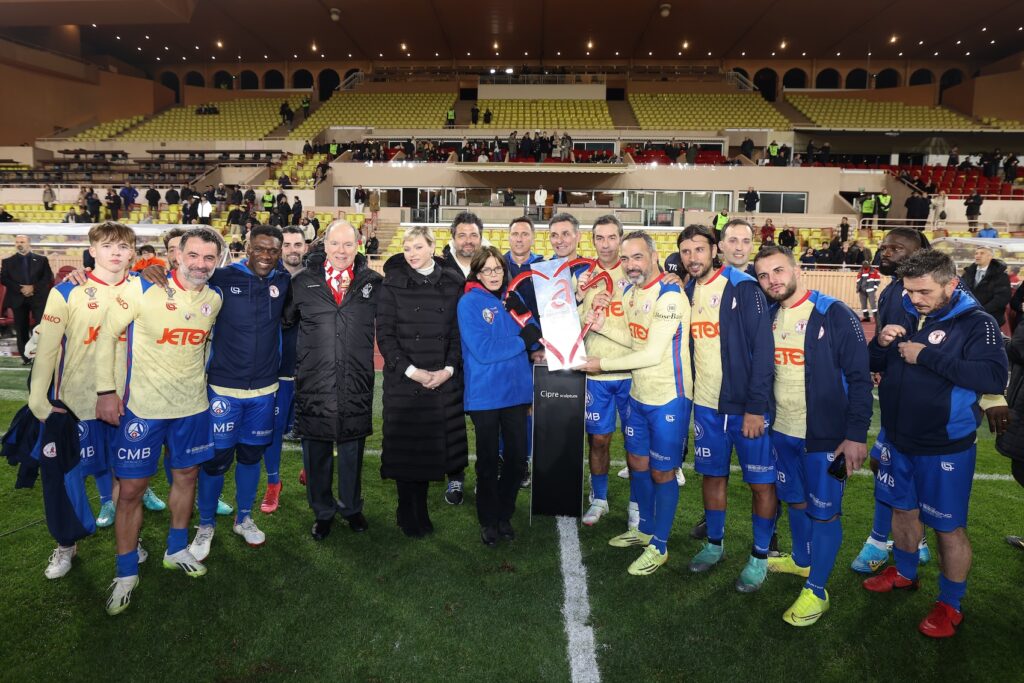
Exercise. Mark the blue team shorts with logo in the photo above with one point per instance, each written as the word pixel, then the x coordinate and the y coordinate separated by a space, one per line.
pixel 876 448
pixel 604 398
pixel 658 432
pixel 802 477
pixel 284 406
pixel 241 420
pixel 939 486
pixel 714 437
pixel 94 438
pixel 136 444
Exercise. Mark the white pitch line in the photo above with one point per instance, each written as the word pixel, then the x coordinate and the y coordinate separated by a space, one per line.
pixel 863 472
pixel 576 605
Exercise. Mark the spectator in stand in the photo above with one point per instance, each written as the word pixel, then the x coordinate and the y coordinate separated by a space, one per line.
pixel 747 148
pixel 313 220
pixel 508 197
pixel 237 217
pixel 883 203
pixel 113 203
pixel 561 198
pixel 5 217
pixel 186 193
pixel 148 257
pixel 822 256
pixel 284 210
pixel 938 207
pixel 809 258
pixel 359 199
pixel 541 197
pixel 768 231
pixel 153 199
pixel 205 211
pixel 526 146
pixel 868 282
pixel 487 115
pixel 93 205
pixel 235 196
pixel 844 229
pixel 988 232
pixel 750 200
pixel 220 196
pixel 865 253
pixel 692 150
pixel 307 149
pixel 851 255
pixel 918 207
pixel 372 243
pixel 513 146
pixel 954 157
pixel 787 238
pixel 1010 163
pixel 973 204
pixel 189 210
pixel 296 210
pixel 249 196
pixel 172 197
pixel 824 154
pixel 128 196
pixel 986 279
pixel 49 198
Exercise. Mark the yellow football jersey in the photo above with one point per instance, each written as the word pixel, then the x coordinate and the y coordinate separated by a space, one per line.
pixel 605 346
pixel 790 330
pixel 707 346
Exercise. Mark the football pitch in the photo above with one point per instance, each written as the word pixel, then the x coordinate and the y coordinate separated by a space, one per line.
pixel 380 607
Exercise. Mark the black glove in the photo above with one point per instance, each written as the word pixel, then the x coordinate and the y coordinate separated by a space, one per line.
pixel 515 304
pixel 530 335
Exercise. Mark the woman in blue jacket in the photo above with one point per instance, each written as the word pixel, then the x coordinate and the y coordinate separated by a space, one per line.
pixel 498 389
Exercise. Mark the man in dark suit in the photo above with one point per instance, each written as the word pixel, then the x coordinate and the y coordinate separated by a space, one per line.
pixel 560 196
pixel 28 279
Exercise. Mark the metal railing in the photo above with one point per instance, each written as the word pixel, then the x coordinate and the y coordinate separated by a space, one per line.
pixel 541 79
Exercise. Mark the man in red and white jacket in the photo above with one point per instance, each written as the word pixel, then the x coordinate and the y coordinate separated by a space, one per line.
pixel 868 282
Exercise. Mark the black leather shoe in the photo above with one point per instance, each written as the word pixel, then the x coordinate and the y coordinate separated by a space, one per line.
pixel 506 531
pixel 357 522
pixel 321 529
pixel 489 536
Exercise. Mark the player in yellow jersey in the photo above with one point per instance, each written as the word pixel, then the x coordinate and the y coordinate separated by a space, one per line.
pixel 64 361
pixel 607 392
pixel 658 417
pixel 822 411
pixel 164 400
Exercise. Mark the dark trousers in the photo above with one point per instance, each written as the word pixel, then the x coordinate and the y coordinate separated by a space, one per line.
pixel 318 459
pixel 496 495
pixel 21 323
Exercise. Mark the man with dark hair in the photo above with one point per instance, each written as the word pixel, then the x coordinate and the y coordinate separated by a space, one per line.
pixel 674 262
pixel 153 198
pixel 730 329
pixel 564 234
pixel 935 368
pixel 750 200
pixel 520 257
pixel 172 239
pixel 737 243
pixel 467 235
pixel 28 278
pixel 822 400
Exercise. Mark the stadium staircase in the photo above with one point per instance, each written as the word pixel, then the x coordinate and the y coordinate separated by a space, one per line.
pixel 797 117
pixel 622 114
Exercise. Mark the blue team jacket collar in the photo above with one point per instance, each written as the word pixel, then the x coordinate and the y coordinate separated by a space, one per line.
pixel 532 259
pixel 243 266
pixel 958 304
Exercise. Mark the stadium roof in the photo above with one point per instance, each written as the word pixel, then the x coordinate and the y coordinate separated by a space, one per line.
pixel 225 31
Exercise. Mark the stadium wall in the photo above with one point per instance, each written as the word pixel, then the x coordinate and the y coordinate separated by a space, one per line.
pixel 999 95
pixel 918 95
pixel 193 95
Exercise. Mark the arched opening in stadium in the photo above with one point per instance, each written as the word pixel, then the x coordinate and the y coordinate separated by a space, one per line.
pixel 951 77
pixel 223 80
pixel 767 81
pixel 248 80
pixel 273 80
pixel 327 81
pixel 795 78
pixel 827 79
pixel 195 78
pixel 302 79
pixel 922 77
pixel 857 80
pixel 169 79
pixel 887 78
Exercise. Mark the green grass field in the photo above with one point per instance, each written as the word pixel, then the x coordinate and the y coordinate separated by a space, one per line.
pixel 380 607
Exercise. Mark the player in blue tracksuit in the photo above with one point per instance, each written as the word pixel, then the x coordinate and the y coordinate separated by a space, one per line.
pixel 934 373
pixel 293 250
pixel 822 409
pixel 242 373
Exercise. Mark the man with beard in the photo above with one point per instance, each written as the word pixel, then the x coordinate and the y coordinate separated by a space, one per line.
pixel 164 401
pixel 730 329
pixel 936 364
pixel 823 405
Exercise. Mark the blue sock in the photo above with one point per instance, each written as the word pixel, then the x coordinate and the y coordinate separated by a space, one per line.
pixel 666 500
pixel 632 496
pixel 247 479
pixel 800 531
pixel 882 526
pixel 764 527
pixel 210 487
pixel 826 537
pixel 643 488
pixel 167 469
pixel 906 563
pixel 951 592
pixel 599 485
pixel 272 459
pixel 105 485
pixel 128 564
pixel 177 540
pixel 715 520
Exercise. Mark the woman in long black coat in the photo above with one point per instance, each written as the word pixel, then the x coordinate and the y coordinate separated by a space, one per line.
pixel 418 335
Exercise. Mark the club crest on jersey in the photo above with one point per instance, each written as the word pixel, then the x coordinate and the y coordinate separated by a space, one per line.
pixel 50 450
pixel 801 326
pixel 589 399
pixel 83 430
pixel 698 431
pixel 136 429
pixel 206 309
pixel 91 292
pixel 936 337
pixel 646 307
pixel 274 292
pixel 623 283
pixel 488 316
pixel 714 300
pixel 219 406
pixel 884 456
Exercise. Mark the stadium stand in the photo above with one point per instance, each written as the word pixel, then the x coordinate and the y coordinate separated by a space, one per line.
pixel 107 129
pixel 542 114
pixel 244 119
pixel 705 111
pixel 851 112
pixel 392 110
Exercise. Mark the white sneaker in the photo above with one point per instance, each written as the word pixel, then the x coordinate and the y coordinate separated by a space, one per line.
pixel 624 473
pixel 186 562
pixel 121 594
pixel 633 516
pixel 597 508
pixel 249 531
pixel 143 555
pixel 200 545
pixel 680 477
pixel 60 561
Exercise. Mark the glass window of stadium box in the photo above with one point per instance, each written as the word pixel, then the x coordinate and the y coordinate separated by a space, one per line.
pixel 782 202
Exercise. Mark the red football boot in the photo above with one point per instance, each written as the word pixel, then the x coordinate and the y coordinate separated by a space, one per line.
pixel 941 622
pixel 271 499
pixel 889 580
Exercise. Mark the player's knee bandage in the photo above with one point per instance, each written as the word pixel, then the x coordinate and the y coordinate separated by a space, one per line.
pixel 248 454
pixel 220 462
